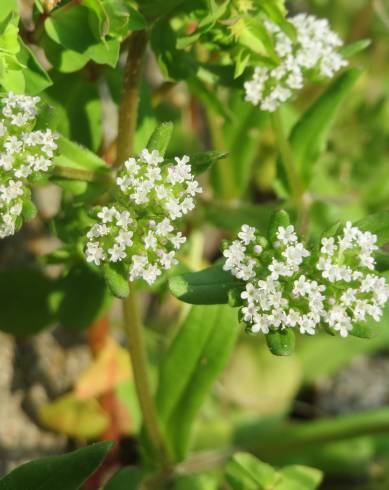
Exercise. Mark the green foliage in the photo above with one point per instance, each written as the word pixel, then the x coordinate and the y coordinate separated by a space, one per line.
pixel 208 287
pixel 76 156
pixel 160 138
pixel 117 279
pixel 175 64
pixel 309 136
pixel 20 71
pixel 83 297
pixel 31 288
pixel 196 357
pixel 66 472
pixel 80 108
pixel 245 472
pixel 205 51
pixel 125 479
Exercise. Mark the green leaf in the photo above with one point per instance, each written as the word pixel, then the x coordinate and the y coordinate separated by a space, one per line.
pixel 7 6
pixel 281 342
pixel 310 134
pixel 366 330
pixel 246 472
pixel 66 472
pixel 31 289
pixel 77 101
pixel 76 156
pixel 35 76
pixel 196 357
pixel 195 482
pixel 84 297
pixel 160 138
pixel 122 18
pixel 156 8
pixel 175 64
pixel 117 279
pixel 354 48
pixel 377 223
pixel 136 21
pixel 105 53
pixel 207 287
pixel 299 477
pixel 200 162
pixel 233 216
pixel 62 26
pixel 248 127
pixel 29 210
pixel 63 60
pixel 125 479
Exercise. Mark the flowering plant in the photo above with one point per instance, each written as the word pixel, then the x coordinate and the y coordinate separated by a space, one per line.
pixel 253 225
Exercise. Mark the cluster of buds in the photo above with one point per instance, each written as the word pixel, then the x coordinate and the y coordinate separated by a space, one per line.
pixel 287 286
pixel 152 194
pixel 25 155
pixel 312 53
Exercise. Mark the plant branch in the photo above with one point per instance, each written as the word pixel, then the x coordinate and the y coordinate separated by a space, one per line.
pixel 136 344
pixel 81 174
pixel 128 111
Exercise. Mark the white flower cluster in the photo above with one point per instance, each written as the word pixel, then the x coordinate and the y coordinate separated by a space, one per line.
pixel 312 53
pixel 138 229
pixel 286 289
pixel 24 155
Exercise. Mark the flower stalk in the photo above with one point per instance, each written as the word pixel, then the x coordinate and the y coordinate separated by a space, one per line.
pixel 128 113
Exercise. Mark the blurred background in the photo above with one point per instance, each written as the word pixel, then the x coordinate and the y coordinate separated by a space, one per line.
pixel 326 378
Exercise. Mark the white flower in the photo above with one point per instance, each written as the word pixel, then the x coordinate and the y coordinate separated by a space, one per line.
pixel 286 234
pixel 295 254
pixel 164 228
pixel 124 238
pixel 152 196
pixel 151 273
pixel 313 51
pixel 123 219
pixel 107 214
pixel 177 240
pixel 328 246
pixel 247 234
pixel 94 253
pixel 153 157
pixel 117 253
pixel 284 291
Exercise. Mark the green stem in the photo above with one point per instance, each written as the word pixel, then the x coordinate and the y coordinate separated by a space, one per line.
pixel 128 113
pixel 291 171
pixel 294 436
pixel 137 348
pixel 81 174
